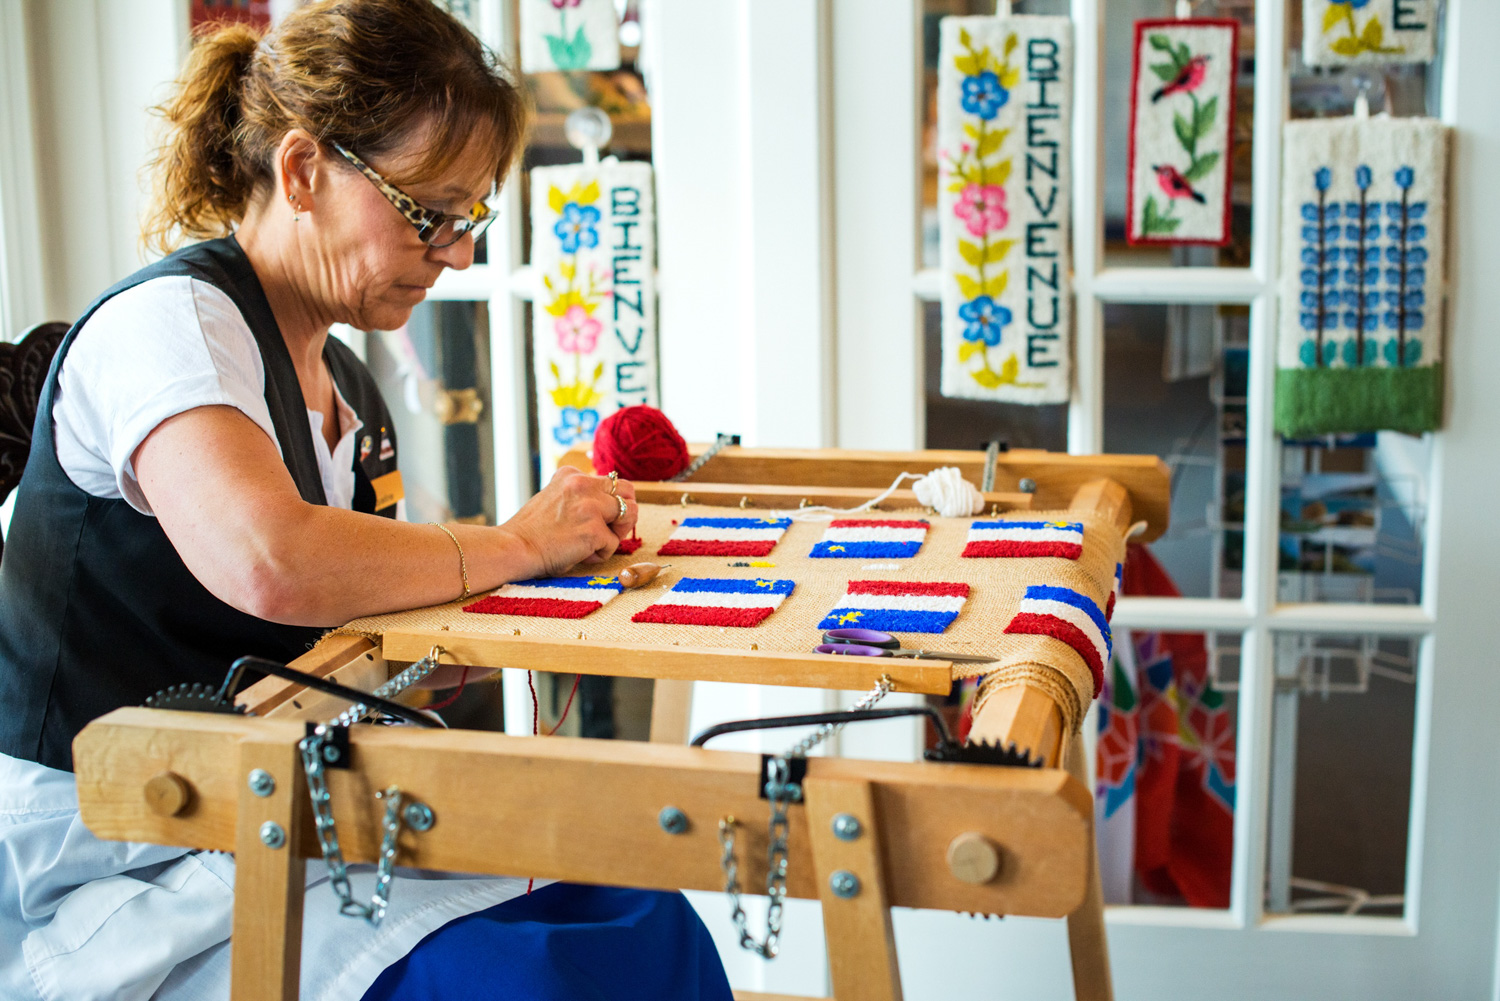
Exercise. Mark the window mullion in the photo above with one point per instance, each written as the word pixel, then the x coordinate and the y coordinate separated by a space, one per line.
pixel 1086 408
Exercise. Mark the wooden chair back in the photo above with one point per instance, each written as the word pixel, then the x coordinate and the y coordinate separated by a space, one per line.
pixel 23 369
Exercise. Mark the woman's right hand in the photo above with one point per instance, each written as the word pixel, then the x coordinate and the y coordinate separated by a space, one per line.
pixel 573 519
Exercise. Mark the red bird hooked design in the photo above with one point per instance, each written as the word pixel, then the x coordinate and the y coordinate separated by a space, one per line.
pixel 1175 185
pixel 1188 79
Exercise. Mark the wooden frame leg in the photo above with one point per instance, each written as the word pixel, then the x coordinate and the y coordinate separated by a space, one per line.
pixel 861 942
pixel 1087 943
pixel 266 948
pixel 671 711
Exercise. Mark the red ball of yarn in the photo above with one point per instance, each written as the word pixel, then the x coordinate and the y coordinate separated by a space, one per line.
pixel 639 443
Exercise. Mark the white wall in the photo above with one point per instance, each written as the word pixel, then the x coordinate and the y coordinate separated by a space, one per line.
pixel 96 67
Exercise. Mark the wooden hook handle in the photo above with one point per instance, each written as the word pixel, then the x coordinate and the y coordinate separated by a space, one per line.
pixel 638 574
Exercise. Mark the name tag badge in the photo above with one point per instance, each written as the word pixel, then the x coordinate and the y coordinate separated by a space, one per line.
pixel 388 489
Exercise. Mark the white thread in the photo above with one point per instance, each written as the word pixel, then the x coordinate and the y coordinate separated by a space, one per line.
pixel 943 489
pixel 881 566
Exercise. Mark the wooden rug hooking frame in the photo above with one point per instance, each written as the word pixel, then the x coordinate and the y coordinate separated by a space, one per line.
pixel 958 837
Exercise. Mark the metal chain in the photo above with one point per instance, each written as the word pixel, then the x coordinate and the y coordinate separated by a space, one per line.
pixel 781 792
pixel 718 446
pixel 313 764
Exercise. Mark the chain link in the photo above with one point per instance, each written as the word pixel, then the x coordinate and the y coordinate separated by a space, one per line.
pixel 311 749
pixel 781 792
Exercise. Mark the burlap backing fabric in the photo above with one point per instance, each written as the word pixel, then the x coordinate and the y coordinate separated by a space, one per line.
pixel 996 588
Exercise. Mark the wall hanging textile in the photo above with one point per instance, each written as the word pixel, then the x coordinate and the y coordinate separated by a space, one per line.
pixel 550 597
pixel 717 601
pixel 593 248
pixel 1362 258
pixel 569 35
pixel 848 538
pixel 1005 93
pixel 725 537
pixel 1181 126
pixel 898 606
pixel 1345 32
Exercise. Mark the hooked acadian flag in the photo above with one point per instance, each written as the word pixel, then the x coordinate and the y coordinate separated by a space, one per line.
pixel 898 606
pixel 1025 538
pixel 716 601
pixel 549 597
pixel 725 537
pixel 1073 618
pixel 847 538
pixel 1114 592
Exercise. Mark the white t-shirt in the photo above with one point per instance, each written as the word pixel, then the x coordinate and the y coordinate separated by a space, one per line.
pixel 157 350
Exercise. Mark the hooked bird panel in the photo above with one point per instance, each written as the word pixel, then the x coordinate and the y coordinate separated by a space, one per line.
pixel 1181 129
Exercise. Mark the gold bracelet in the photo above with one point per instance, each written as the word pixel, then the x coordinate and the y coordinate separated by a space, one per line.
pixel 463 564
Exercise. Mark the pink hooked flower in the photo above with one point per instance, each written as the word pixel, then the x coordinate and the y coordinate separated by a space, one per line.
pixel 982 208
pixel 577 331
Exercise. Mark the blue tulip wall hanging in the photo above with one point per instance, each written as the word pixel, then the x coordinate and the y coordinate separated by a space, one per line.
pixel 1363 274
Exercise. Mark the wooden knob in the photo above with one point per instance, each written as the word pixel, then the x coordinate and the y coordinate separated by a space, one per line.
pixel 168 794
pixel 637 574
pixel 973 858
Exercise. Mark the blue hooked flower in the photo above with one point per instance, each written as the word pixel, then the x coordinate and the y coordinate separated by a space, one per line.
pixel 575 425
pixel 576 227
pixel 986 320
pixel 983 95
pixel 1404 177
pixel 1323 178
pixel 1362 176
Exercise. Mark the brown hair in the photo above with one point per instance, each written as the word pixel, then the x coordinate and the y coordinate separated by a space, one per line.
pixel 362 73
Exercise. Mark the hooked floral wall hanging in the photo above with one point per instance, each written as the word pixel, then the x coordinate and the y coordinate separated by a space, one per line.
pixel 1342 32
pixel 593 249
pixel 1362 258
pixel 569 35
pixel 1004 139
pixel 1181 126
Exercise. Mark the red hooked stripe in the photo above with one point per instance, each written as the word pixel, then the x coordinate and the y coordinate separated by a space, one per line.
pixel 544 608
pixel 907 588
pixel 1060 629
pixel 875 523
pixel 699 615
pixel 1009 547
pixel 696 547
pixel 628 546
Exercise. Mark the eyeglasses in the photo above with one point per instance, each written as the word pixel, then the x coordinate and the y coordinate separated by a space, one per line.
pixel 436 229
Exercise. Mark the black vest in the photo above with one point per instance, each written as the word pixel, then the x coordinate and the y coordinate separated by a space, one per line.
pixel 97 610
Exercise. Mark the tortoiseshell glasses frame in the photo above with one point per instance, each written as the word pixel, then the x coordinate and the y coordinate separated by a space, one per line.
pixel 436 229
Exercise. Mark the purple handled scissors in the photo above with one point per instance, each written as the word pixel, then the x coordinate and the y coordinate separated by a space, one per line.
pixel 870 643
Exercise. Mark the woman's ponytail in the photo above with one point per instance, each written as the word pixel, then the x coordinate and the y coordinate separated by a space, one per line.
pixel 202 183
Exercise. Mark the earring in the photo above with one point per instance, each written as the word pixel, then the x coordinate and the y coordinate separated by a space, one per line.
pixel 296 209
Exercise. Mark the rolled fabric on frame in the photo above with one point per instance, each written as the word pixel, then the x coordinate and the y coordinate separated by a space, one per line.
pixel 1363 269
pixel 1005 89
pixel 593 248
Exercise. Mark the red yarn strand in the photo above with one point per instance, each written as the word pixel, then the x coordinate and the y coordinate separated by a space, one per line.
pixel 463 679
pixel 576 679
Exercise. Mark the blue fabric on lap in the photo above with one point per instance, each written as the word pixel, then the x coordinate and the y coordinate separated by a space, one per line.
pixel 565 942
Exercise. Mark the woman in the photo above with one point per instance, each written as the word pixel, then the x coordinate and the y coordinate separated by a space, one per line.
pixel 212 476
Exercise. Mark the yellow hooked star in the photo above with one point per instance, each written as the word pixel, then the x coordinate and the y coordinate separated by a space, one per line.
pixel 849 617
pixel 601 581
pixel 835 549
pixel 1061 524
pixel 765 583
pixel 771 521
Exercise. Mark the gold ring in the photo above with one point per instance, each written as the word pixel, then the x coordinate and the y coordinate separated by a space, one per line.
pixel 613 481
pixel 624 510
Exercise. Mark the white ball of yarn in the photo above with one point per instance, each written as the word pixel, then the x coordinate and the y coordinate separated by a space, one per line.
pixel 946 491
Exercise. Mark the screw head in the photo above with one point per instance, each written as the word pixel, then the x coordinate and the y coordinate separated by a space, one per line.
pixel 261 782
pixel 846 827
pixel 330 754
pixel 1028 485
pixel 272 835
pixel 419 817
pixel 672 820
pixel 844 884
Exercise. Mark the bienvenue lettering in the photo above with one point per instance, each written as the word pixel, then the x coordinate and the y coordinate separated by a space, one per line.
pixel 1044 236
